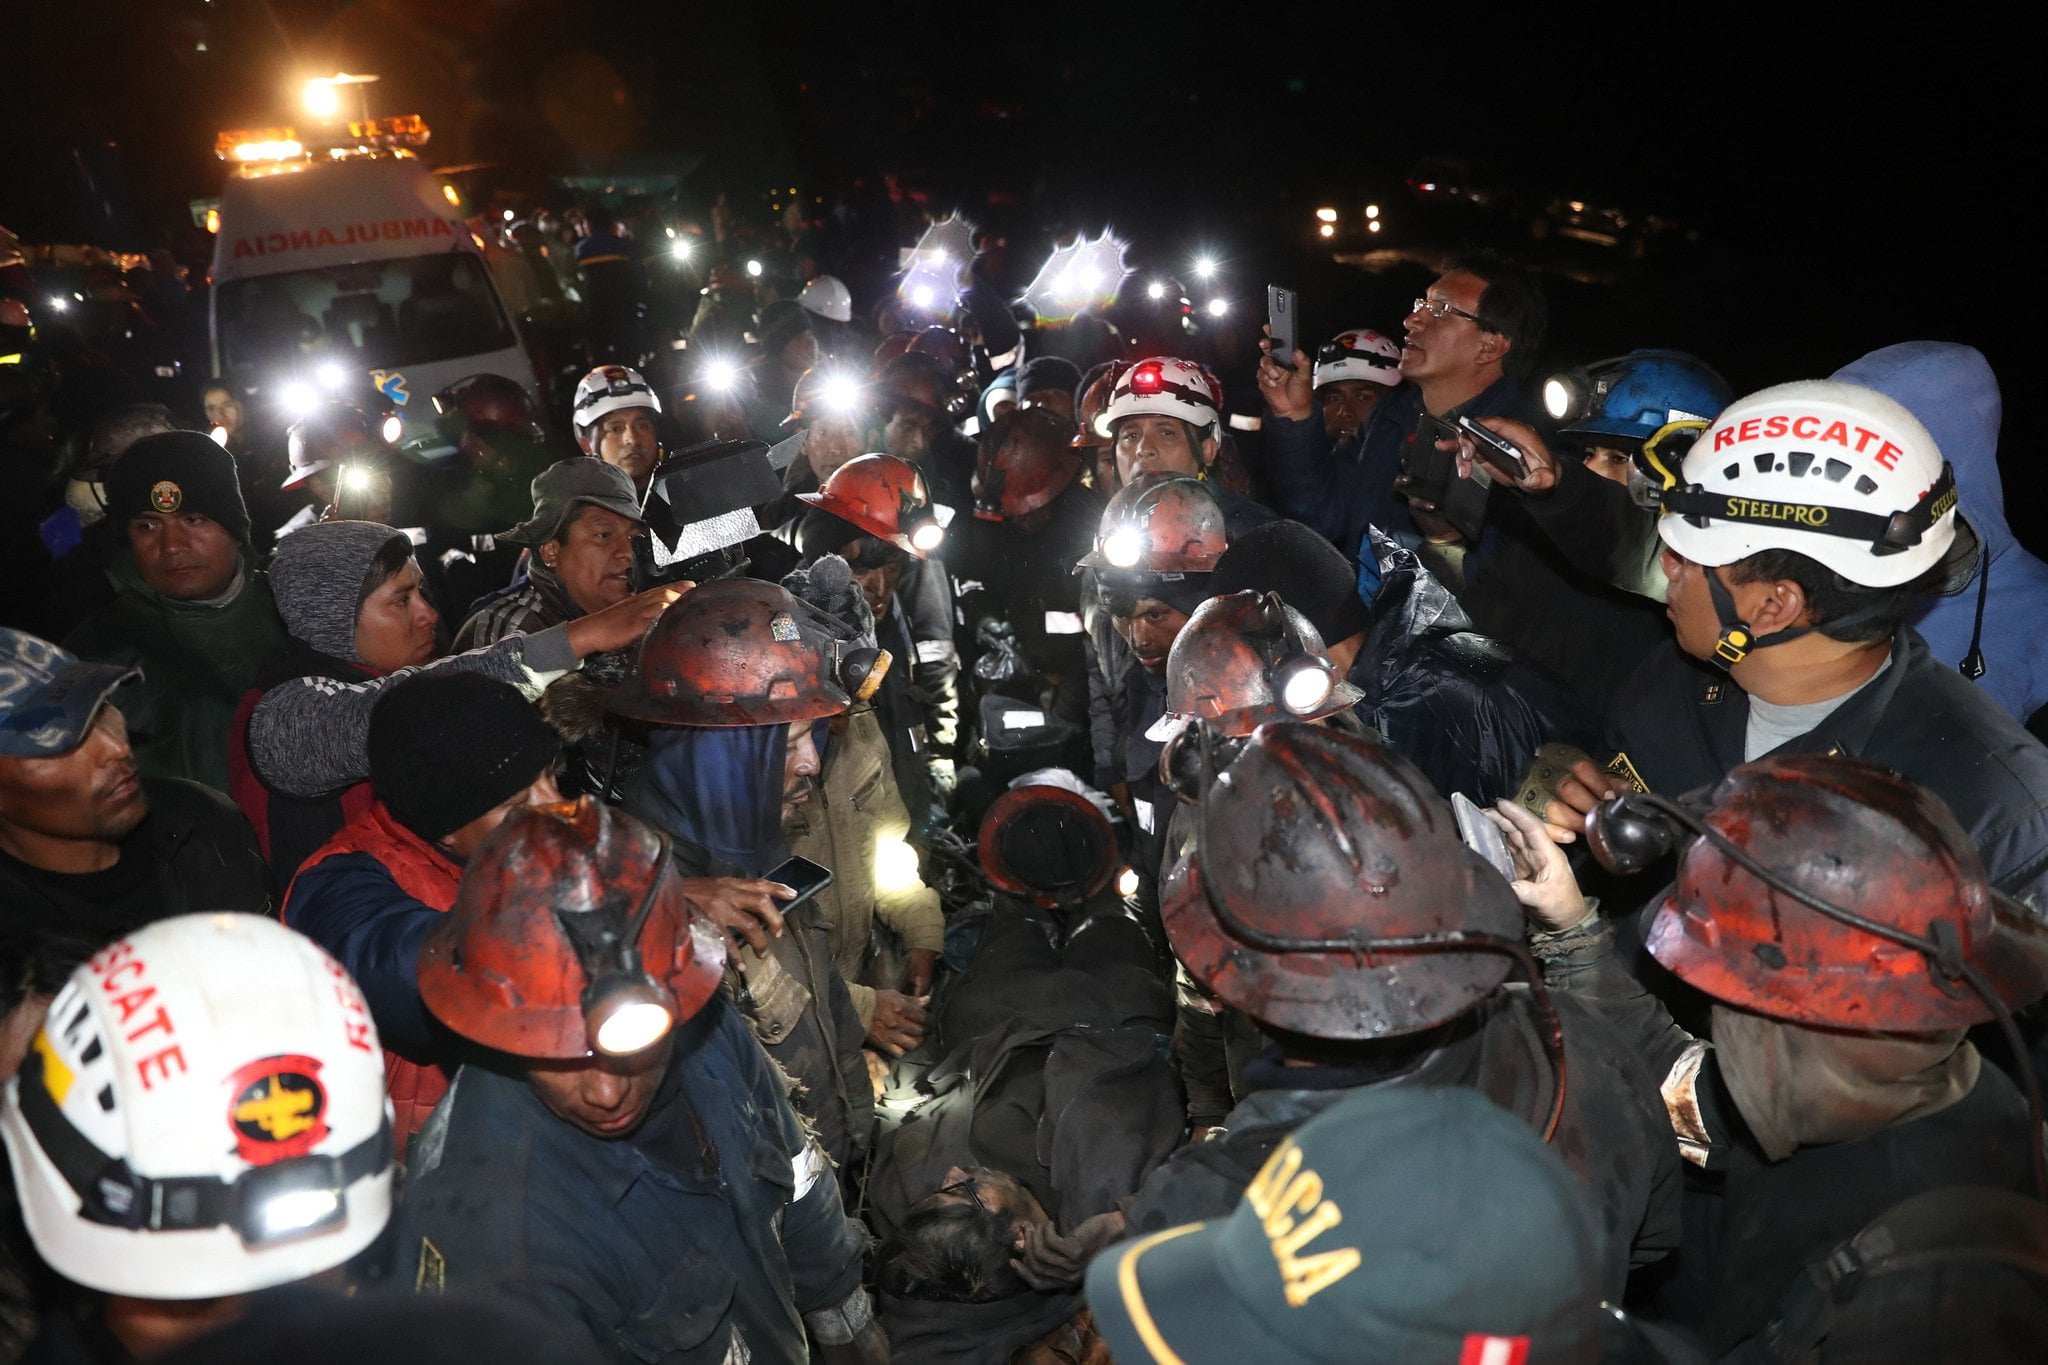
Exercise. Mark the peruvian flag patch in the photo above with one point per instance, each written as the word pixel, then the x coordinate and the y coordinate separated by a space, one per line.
pixel 1485 1350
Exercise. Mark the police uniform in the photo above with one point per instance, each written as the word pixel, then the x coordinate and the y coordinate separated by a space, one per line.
pixel 1680 725
pixel 707 1235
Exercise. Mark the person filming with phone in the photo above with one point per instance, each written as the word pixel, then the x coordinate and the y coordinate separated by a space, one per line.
pixel 736 684
pixel 1464 343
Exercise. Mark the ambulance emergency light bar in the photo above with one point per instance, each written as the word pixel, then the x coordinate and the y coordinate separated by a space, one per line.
pixel 253 145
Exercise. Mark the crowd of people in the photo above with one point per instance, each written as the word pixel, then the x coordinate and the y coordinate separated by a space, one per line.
pixel 979 846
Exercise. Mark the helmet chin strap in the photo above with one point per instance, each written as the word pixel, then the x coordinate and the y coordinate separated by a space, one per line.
pixel 1737 640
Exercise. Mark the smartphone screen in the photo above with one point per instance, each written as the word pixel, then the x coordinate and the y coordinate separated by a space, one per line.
pixel 1481 835
pixel 1280 314
pixel 803 876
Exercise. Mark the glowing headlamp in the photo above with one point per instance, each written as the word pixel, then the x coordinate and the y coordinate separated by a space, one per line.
pixel 720 376
pixel 391 429
pixel 754 269
pixel 840 393
pixel 1557 398
pixel 330 374
pixel 355 478
pixel 1147 379
pixel 927 535
pixel 1218 307
pixel 1127 882
pixel 298 399
pixel 219 435
pixel 681 249
pixel 625 1010
pixel 1326 215
pixel 1303 683
pixel 1155 290
pixel 1124 547
pixel 1205 268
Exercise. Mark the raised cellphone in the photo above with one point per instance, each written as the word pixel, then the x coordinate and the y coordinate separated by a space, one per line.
pixel 1505 453
pixel 1280 314
pixel 1481 835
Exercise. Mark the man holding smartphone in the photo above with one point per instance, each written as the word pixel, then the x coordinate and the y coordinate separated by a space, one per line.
pixel 734 687
pixel 1472 327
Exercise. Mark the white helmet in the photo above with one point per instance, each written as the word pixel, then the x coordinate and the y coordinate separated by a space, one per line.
pixel 1839 473
pixel 828 298
pixel 1358 354
pixel 1166 386
pixel 203 1113
pixel 608 389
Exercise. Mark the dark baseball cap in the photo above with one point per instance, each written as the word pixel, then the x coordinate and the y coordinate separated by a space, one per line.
pixel 566 485
pixel 1406 1223
pixel 48 696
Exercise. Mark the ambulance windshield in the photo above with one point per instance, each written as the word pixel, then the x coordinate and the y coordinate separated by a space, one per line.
pixel 409 311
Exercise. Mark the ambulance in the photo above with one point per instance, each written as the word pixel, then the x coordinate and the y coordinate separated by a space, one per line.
pixel 342 264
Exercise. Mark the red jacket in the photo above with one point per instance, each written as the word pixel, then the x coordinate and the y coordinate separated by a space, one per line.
pixel 423 875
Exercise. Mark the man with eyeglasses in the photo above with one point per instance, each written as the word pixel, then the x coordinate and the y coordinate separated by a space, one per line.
pixel 1476 322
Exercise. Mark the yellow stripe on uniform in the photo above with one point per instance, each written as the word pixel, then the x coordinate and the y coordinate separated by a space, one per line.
pixel 1134 1302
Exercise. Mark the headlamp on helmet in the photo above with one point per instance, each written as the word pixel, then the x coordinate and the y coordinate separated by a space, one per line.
pixel 625 1009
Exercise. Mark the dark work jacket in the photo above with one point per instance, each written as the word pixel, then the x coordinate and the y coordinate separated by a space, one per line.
pixel 1052 1069
pixel 1030 582
pixel 1458 704
pixel 1342 497
pixel 200 855
pixel 801 1010
pixel 1680 725
pixel 1615 1134
pixel 1776 1217
pixel 1528 595
pixel 662 1244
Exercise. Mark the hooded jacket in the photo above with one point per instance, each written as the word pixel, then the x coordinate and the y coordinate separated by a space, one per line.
pixel 1951 389
pixel 303 740
pixel 717 794
pixel 196 660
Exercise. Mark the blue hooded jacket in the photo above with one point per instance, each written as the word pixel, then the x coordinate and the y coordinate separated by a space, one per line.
pixel 719 789
pixel 1951 389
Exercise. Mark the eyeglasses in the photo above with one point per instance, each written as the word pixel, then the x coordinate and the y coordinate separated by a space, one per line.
pixel 1436 308
pixel 968 1189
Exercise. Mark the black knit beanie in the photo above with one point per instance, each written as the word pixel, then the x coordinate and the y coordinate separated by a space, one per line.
pixel 1310 574
pixel 178 471
pixel 445 747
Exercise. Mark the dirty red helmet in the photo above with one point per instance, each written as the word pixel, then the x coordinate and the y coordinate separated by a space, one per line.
pixel 825 390
pixel 887 498
pixel 1052 846
pixel 742 652
pixel 1864 839
pixel 1160 523
pixel 538 957
pixel 1309 847
pixel 1094 402
pixel 1247 658
pixel 1025 461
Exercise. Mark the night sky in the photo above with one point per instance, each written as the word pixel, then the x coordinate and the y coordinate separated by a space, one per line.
pixel 1852 185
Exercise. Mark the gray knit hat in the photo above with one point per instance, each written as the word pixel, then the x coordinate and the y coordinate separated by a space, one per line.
pixel 318 577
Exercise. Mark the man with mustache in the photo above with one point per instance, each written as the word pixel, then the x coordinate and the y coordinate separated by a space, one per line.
pixel 89 848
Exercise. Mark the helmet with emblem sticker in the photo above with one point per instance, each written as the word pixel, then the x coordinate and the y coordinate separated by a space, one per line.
pixel 202 1114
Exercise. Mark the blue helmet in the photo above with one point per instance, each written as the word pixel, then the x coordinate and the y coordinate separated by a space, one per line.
pixel 1628 398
